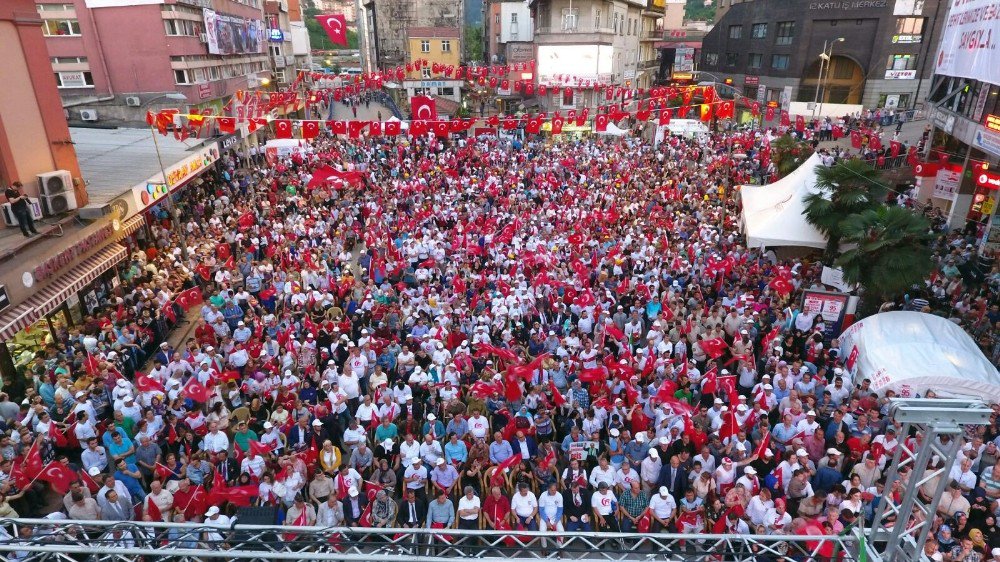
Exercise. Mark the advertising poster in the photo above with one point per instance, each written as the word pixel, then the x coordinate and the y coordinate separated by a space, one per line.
pixel 969 41
pixel 230 35
pixel 830 306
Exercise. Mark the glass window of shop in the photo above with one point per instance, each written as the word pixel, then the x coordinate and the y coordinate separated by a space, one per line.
pixel 971 98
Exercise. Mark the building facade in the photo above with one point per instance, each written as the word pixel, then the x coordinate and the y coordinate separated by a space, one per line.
pixel 34 137
pixel 203 49
pixel 383 27
pixel 880 50
pixel 611 43
pixel 438 46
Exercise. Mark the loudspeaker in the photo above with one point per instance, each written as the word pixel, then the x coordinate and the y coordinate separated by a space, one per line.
pixel 261 515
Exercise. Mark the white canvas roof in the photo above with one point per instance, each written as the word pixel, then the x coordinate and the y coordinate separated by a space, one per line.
pixel 774 215
pixel 913 352
pixel 612 130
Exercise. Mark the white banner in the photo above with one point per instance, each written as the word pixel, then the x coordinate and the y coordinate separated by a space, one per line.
pixel 969 41
pixel 834 277
pixel 946 184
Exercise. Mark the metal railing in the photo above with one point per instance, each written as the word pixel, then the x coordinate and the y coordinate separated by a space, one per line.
pixel 48 540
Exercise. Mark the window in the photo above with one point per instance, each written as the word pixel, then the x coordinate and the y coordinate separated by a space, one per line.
pixel 182 27
pixel 909 30
pixel 425 46
pixel 55 7
pixel 569 16
pixel 182 77
pixel 785 34
pixel 712 59
pixel 61 28
pixel 68 60
pixel 275 50
pixel 498 19
pixel 74 80
pixel 732 59
pixel 758 31
pixel 750 92
pixel 425 73
pixel 446 91
pixel 779 62
pixel 754 60
pixel 735 31
pixel 901 62
pixel 513 17
pixel 566 98
pixel 446 46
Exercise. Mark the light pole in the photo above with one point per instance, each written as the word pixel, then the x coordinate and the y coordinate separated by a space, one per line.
pixel 828 57
pixel 166 182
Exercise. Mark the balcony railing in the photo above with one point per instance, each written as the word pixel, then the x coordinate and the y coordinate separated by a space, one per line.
pixel 558 29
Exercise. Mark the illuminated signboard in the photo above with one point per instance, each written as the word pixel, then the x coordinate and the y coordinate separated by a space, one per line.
pixel 992 122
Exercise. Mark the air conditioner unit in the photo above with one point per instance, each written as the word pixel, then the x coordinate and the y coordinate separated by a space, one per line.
pixel 203 37
pixel 51 183
pixel 8 214
pixel 88 115
pixel 60 203
pixel 133 101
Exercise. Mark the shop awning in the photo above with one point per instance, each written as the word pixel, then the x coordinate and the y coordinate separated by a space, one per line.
pixel 16 319
pixel 128 227
pixel 56 293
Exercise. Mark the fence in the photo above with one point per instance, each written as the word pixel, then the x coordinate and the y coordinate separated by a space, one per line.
pixel 48 540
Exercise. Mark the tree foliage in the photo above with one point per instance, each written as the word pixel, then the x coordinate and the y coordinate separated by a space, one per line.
pixel 847 189
pixel 788 154
pixel 318 38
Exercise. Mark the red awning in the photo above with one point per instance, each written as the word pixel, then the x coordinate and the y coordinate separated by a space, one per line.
pixel 675 44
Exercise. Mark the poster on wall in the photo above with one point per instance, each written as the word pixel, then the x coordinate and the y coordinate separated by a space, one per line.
pixel 946 184
pixel 230 35
pixel 828 305
pixel 969 41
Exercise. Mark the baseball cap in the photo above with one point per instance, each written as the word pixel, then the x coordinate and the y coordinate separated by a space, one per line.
pixel 214 510
pixel 802 453
pixel 664 491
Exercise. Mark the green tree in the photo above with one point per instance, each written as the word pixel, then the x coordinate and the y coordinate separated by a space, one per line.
pixel 474 44
pixel 847 188
pixel 319 40
pixel 891 252
pixel 788 154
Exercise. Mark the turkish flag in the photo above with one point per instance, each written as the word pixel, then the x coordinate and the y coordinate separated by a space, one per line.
pixel 894 148
pixel 557 125
pixel 258 448
pixel 392 128
pixel 781 286
pixel 726 109
pixel 423 107
pixel 786 120
pixel 335 26
pixel 310 129
pixel 227 124
pixel 32 462
pixel 338 127
pixel 509 124
pixel 601 123
pixel 557 398
pixel 283 128
pixel 800 123
pixel 769 114
pixel 911 156
pixel 875 142
pixel 837 132
pixel 856 138
pixel 714 347
pixel 926 169
pixel 354 128
pixel 441 129
pixel 755 109
pixel 418 128
pixel 59 476
pixel 375 128
pixel 643 114
pixel 582 117
pixel 147 384
pixel 195 390
pixel 710 381
pixel 665 115
pixel 533 126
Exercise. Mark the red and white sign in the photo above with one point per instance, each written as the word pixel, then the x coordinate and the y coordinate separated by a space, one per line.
pixel 946 184
pixel 969 41
pixel 204 91
pixel 989 180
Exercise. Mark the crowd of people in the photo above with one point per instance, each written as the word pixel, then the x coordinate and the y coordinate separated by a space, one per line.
pixel 566 337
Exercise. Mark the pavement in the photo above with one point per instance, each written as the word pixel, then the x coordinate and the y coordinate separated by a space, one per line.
pixel 370 113
pixel 910 134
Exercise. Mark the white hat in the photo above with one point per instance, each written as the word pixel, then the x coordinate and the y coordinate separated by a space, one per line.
pixel 415 460
pixel 80 394
pixel 811 413
pixel 164 345
pixel 388 443
pixel 317 422
pixel 768 453
pixel 353 492
pixel 768 387
pixel 122 383
pixel 742 408
pixel 288 372
pixel 664 491
pixel 431 417
pixel 725 371
pixel 831 451
pixel 94 471
pixel 640 437
pixel 664 441
pixel 440 461
pixel 654 454
pixel 718 401
pixel 267 425
pixel 614 432
pixel 750 470
pixel 440 345
pixel 802 453
pixel 214 510
pixel 741 447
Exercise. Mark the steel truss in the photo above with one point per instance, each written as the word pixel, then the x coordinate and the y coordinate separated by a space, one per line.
pixel 901 529
pixel 64 541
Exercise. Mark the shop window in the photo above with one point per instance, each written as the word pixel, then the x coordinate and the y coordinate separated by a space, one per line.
pixel 897 62
pixel 61 28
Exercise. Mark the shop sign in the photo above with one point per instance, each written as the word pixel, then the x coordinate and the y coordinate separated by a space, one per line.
pixel 988 180
pixel 944 121
pixel 51 266
pixel 849 5
pixel 204 91
pixel 4 299
pixel 900 74
pixel 229 141
pixel 751 80
pixel 990 142
pixel 946 184
pixel 907 38
pixel 992 122
pixel 153 189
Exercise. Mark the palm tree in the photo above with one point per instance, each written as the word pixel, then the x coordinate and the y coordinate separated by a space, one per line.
pixel 891 251
pixel 847 188
pixel 788 154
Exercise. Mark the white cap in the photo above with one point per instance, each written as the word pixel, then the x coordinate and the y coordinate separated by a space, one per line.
pixel 214 510
pixel 741 447
pixel 353 492
pixel 768 387
pixel 431 417
pixel 664 491
pixel 802 453
pixel 317 422
pixel 725 371
pixel 664 441
pixel 750 470
pixel 388 443
pixel 415 459
pixel 614 432
pixel 741 408
pixel 811 413
pixel 768 453
pixel 440 461
pixel 122 383
pixel 94 471
pixel 267 425
pixel 832 451
pixel 81 394
pixel 654 454
pixel 718 401
pixel 640 437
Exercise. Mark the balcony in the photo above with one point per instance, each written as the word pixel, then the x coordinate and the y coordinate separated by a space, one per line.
pixel 570 35
pixel 649 64
pixel 652 35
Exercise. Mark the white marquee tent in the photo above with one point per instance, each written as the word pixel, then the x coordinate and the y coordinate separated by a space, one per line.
pixel 913 352
pixel 774 215
pixel 613 130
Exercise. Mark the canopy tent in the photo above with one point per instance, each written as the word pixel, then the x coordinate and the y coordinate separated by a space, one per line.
pixel 774 215
pixel 913 352
pixel 404 125
pixel 612 130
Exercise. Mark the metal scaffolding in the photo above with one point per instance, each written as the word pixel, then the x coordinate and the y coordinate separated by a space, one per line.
pixel 902 528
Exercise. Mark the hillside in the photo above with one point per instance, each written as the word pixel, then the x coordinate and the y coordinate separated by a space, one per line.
pixel 697 10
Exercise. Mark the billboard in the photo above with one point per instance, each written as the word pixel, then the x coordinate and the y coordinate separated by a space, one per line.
pixel 586 62
pixel 684 59
pixel 969 41
pixel 828 305
pixel 230 35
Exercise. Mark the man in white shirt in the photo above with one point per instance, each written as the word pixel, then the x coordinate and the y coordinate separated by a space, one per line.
pixel 215 441
pixel 604 504
pixel 524 506
pixel 602 473
pixel 550 509
pixel 661 507
pixel 777 521
pixel 468 510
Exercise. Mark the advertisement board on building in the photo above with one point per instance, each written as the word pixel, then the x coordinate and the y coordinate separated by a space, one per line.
pixel 684 59
pixel 149 192
pixel 900 74
pixel 72 79
pixel 946 184
pixel 828 305
pixel 584 62
pixel 520 52
pixel 908 8
pixel 988 141
pixel 969 41
pixel 231 35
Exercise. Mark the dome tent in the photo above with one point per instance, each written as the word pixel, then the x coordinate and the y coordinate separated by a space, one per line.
pixel 913 352
pixel 774 214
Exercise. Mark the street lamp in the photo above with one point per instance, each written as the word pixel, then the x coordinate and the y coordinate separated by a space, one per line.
pixel 174 96
pixel 828 58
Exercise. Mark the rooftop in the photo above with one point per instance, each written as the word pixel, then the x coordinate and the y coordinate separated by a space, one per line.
pixel 114 160
pixel 420 32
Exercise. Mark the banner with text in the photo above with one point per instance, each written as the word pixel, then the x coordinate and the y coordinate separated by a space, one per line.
pixel 969 41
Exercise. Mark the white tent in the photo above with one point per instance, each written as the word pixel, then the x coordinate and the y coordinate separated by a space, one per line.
pixel 774 215
pixel 913 352
pixel 404 125
pixel 612 130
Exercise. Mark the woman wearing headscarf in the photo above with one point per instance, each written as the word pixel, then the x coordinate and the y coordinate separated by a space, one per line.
pixel 383 510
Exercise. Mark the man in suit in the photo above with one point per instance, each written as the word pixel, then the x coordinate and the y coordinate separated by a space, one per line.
pixel 525 445
pixel 300 436
pixel 354 506
pixel 576 508
pixel 412 511
pixel 227 467
pixel 674 478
